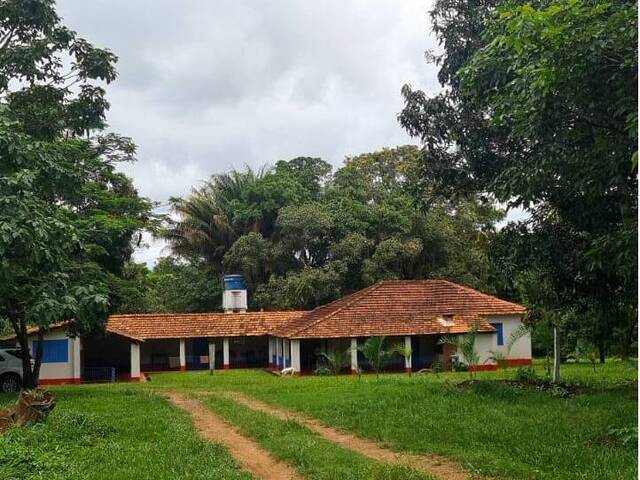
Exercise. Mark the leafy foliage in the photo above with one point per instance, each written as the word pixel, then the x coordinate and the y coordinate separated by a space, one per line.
pixel 304 237
pixel 67 217
pixel 539 112
pixel 377 352
pixel 466 345
pixel 338 360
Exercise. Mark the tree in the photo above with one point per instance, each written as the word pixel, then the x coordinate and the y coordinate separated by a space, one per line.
pixel 539 112
pixel 67 217
pixel 213 217
pixel 338 360
pixel 466 345
pixel 251 255
pixel 377 353
pixel 303 237
pixel 46 274
pixel 305 233
pixel 180 286
pixel 34 81
pixel 303 290
pixel 404 350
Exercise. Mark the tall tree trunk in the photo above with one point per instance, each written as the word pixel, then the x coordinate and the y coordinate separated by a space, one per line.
pixel 556 355
pixel 19 324
pixel 38 359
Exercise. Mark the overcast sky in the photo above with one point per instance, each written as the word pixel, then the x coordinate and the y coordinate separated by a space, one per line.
pixel 205 86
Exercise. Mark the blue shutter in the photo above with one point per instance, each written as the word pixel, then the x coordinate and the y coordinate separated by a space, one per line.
pixel 498 327
pixel 54 351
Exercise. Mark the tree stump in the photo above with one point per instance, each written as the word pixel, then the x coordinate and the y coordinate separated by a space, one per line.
pixel 33 406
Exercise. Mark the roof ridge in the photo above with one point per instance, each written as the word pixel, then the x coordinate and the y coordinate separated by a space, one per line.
pixel 352 298
pixel 195 314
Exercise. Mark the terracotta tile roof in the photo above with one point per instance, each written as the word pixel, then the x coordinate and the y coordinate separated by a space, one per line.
pixel 191 325
pixel 401 307
pixel 32 330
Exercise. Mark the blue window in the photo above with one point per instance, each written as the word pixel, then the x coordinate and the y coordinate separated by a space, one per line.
pixel 54 351
pixel 498 327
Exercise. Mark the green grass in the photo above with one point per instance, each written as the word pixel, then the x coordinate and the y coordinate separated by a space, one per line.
pixel 112 432
pixel 123 431
pixel 492 428
pixel 314 457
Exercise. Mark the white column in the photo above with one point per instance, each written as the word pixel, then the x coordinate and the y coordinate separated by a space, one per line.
pixel 278 352
pixel 225 352
pixel 270 359
pixel 407 359
pixel 135 361
pixel 295 355
pixel 354 355
pixel 283 354
pixel 77 363
pixel 183 355
pixel 212 355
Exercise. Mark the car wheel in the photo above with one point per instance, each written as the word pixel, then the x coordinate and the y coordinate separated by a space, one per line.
pixel 9 383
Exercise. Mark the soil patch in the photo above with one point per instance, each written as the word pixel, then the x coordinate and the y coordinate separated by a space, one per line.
pixel 434 465
pixel 246 452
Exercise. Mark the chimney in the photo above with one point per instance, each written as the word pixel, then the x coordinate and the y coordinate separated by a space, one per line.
pixel 234 297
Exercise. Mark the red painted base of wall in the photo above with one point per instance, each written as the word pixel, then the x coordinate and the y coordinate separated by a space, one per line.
pixel 408 370
pixel 183 368
pixel 511 362
pixel 125 377
pixel 520 362
pixel 60 381
pixel 226 366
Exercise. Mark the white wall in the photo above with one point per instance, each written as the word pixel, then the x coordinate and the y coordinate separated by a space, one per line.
pixel 60 371
pixel 485 343
pixel 510 324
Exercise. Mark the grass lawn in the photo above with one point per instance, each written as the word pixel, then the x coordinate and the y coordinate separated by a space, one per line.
pixel 124 431
pixel 314 457
pixel 492 428
pixel 112 432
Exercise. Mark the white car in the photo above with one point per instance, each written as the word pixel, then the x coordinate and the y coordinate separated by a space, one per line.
pixel 10 369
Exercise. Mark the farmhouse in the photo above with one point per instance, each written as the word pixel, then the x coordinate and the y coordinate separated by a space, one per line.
pixel 416 313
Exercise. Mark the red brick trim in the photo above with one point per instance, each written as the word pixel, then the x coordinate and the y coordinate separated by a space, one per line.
pixel 519 362
pixel 60 381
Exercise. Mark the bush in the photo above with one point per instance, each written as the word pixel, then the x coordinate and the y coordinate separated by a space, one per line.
pixel 322 371
pixel 458 366
pixel 437 367
pixel 527 375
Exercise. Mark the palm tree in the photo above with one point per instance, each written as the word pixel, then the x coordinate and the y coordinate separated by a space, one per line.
pixel 466 345
pixel 338 360
pixel 214 216
pixel 403 350
pixel 376 353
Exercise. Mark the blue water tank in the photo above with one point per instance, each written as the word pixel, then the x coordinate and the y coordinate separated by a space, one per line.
pixel 234 282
